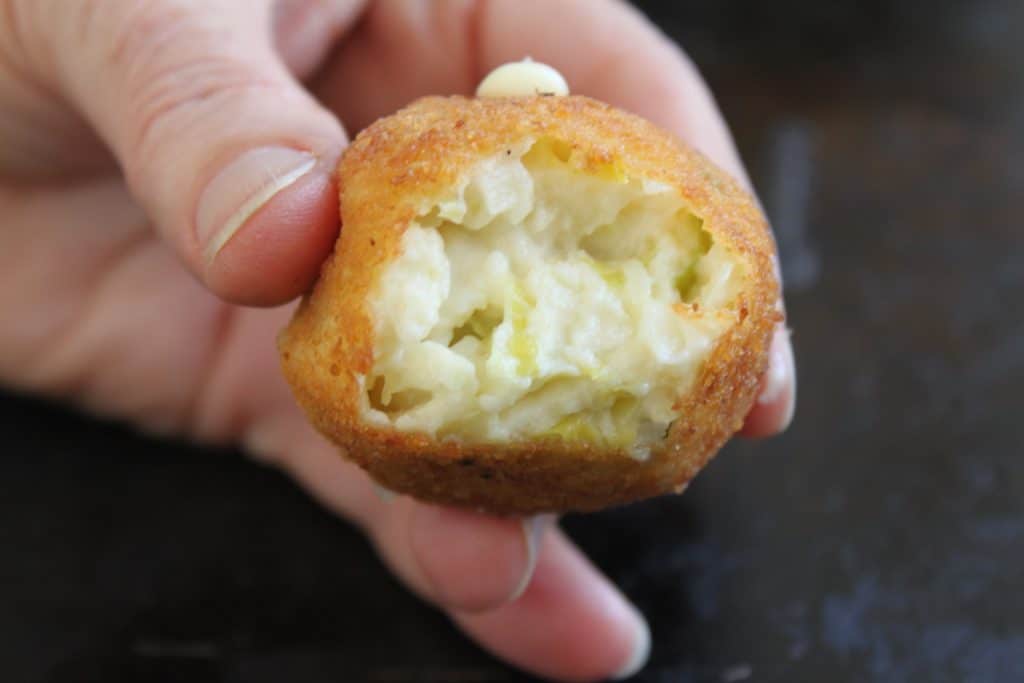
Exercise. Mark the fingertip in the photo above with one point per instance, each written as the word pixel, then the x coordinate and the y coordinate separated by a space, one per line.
pixel 640 653
pixel 472 562
pixel 773 411
pixel 275 253
pixel 570 624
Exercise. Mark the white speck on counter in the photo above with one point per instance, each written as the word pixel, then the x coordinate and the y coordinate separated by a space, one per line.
pixel 736 673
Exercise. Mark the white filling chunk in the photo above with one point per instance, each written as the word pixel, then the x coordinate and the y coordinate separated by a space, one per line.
pixel 541 300
pixel 522 79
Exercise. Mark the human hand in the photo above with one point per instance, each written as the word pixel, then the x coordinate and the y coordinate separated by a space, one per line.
pixel 138 137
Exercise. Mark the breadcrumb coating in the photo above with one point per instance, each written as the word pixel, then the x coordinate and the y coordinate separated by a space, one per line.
pixel 392 179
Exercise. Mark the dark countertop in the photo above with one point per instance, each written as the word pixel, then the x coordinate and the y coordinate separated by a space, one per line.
pixel 881 539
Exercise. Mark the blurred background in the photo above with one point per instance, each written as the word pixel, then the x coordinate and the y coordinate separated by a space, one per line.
pixel 880 539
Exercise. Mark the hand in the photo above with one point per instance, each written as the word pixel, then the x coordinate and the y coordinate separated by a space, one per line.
pixel 162 162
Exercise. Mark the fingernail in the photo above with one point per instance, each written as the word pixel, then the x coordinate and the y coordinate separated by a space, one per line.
pixel 242 188
pixel 386 495
pixel 533 533
pixel 641 650
pixel 261 442
pixel 781 375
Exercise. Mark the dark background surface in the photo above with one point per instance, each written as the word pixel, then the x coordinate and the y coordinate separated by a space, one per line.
pixel 881 539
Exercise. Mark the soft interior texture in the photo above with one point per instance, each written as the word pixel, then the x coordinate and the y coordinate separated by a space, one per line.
pixel 541 300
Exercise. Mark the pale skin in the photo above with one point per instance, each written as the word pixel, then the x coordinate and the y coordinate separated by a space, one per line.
pixel 129 292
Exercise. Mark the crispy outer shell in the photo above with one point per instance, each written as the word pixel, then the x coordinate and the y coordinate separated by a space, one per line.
pixel 407 160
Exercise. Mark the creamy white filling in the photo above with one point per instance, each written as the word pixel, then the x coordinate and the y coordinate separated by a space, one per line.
pixel 537 299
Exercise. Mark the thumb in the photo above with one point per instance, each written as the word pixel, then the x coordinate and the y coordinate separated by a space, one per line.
pixel 229 155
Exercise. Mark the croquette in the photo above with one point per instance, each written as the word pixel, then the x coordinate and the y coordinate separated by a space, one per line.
pixel 535 304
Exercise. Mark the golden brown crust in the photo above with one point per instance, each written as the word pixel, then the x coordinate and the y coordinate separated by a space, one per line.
pixel 400 165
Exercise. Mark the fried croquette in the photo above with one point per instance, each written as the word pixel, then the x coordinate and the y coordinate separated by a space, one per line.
pixel 535 304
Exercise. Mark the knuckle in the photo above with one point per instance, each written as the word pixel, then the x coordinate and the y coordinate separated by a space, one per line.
pixel 180 71
pixel 21 36
pixel 171 97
